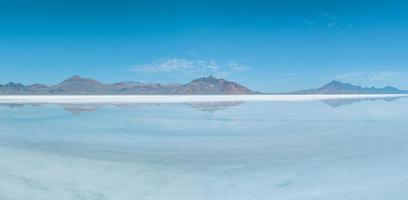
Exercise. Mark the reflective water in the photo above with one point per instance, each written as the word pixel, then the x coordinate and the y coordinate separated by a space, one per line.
pixel 235 150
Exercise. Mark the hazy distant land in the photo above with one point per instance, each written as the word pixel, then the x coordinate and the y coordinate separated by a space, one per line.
pixel 210 85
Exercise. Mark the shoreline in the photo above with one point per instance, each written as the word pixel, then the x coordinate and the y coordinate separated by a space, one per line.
pixel 125 99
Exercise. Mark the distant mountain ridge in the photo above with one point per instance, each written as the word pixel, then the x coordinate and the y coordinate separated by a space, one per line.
pixel 337 87
pixel 210 85
pixel 77 85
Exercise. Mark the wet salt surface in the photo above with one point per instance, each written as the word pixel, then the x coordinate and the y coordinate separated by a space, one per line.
pixel 233 150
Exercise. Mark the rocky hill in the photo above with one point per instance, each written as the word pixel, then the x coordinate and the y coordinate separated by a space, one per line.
pixel 212 85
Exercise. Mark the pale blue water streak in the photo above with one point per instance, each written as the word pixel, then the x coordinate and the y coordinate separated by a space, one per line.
pixel 299 151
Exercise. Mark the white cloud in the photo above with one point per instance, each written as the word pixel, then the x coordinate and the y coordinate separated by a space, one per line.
pixel 178 65
pixel 309 23
pixel 235 67
pixel 191 67
pixel 331 24
pixel 288 74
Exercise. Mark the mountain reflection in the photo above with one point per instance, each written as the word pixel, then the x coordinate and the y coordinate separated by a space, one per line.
pixel 213 107
pixel 209 107
pixel 80 108
pixel 77 109
pixel 344 102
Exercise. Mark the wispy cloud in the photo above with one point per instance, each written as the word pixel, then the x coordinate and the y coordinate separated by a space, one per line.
pixel 325 20
pixel 178 65
pixel 374 77
pixel 236 67
pixel 191 67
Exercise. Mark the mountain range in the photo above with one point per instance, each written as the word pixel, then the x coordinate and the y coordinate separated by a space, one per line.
pixel 77 85
pixel 210 85
pixel 337 87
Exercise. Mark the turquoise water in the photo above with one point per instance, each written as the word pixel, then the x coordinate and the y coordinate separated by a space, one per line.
pixel 281 150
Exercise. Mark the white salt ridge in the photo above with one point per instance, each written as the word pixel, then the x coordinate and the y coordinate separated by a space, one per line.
pixel 124 99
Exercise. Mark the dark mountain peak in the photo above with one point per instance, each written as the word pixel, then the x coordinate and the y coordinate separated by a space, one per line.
pixel 212 85
pixel 38 85
pixel 337 84
pixel 14 85
pixel 334 82
pixel 73 78
pixel 208 79
pixel 77 78
pixel 79 85
pixel 390 88
pixel 12 88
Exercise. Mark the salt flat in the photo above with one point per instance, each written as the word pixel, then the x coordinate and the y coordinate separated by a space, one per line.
pixel 123 99
pixel 302 150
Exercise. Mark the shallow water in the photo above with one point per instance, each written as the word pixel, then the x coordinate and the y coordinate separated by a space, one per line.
pixel 280 150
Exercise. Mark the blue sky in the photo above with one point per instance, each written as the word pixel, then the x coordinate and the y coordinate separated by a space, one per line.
pixel 269 46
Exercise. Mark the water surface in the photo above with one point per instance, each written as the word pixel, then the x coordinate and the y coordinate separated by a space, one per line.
pixel 280 150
